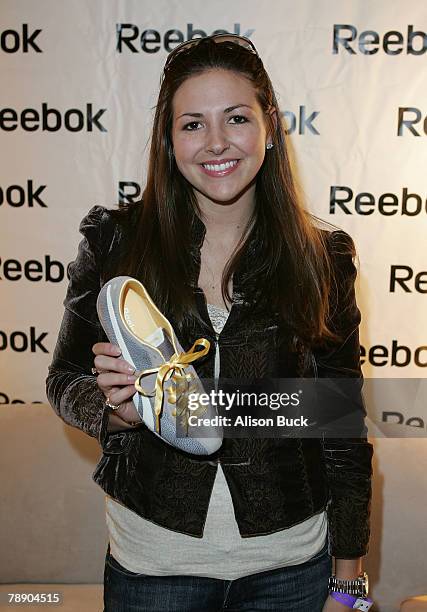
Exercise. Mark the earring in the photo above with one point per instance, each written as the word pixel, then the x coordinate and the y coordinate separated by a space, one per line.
pixel 269 145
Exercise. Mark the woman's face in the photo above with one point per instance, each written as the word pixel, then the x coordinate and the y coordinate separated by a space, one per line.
pixel 219 134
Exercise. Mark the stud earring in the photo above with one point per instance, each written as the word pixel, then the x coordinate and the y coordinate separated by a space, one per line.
pixel 269 145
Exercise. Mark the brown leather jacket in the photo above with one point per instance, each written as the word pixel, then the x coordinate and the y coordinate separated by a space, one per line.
pixel 274 483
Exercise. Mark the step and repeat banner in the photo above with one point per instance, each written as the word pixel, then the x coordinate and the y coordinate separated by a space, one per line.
pixel 79 85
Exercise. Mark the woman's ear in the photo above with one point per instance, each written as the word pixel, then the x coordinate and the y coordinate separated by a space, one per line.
pixel 271 123
pixel 273 112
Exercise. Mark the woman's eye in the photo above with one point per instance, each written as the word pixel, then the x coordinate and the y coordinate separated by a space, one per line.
pixel 237 120
pixel 192 123
pixel 239 117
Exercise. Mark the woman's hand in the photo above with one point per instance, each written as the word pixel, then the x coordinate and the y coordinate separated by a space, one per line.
pixel 331 605
pixel 116 381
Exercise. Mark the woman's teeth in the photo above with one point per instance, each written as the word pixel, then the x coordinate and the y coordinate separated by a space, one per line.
pixel 220 167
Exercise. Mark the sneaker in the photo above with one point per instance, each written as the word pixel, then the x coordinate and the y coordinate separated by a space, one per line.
pixel 132 321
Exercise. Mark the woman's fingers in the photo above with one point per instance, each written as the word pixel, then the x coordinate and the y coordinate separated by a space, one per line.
pixel 119 395
pixel 126 410
pixel 107 380
pixel 116 388
pixel 107 359
pixel 116 380
pixel 114 377
pixel 112 364
pixel 106 348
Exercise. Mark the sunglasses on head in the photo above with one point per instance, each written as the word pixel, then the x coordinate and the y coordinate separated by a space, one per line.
pixel 235 38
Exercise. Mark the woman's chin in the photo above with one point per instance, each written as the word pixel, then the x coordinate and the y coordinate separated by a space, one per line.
pixel 224 197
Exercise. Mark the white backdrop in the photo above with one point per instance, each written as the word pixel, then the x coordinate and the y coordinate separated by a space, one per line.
pixel 342 101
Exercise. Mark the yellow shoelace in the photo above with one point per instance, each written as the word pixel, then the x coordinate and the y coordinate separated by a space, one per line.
pixel 173 368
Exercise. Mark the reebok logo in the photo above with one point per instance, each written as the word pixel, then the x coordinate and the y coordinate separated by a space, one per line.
pixel 128 319
pixel 301 122
pixel 408 118
pixel 129 37
pixel 12 41
pixel 16 195
pixel 52 119
pixel 128 191
pixel 343 199
pixel 49 270
pixel 6 399
pixel 20 341
pixel 347 39
pixel 397 355
pixel 400 277
pixel 397 418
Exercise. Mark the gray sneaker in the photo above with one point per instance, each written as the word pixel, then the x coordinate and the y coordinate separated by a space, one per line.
pixel 132 321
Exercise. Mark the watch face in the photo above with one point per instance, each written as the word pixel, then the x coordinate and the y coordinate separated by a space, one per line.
pixel 365 576
pixel 365 582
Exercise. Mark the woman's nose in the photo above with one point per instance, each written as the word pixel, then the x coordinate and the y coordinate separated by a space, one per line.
pixel 217 141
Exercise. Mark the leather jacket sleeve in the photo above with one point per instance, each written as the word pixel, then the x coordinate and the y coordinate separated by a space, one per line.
pixel 71 388
pixel 347 460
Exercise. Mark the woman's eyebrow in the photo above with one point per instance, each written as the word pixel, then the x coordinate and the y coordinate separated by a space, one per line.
pixel 226 110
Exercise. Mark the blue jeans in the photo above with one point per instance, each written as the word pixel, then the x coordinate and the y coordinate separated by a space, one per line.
pixel 296 588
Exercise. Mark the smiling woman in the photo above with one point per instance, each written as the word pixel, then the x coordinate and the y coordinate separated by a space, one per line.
pixel 228 253
pixel 225 142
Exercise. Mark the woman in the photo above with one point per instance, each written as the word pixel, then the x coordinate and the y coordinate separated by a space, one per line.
pixel 228 253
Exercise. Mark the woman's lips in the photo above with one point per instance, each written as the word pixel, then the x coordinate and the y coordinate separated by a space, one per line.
pixel 219 173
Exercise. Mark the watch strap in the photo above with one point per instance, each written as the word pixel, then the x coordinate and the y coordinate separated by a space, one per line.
pixel 356 587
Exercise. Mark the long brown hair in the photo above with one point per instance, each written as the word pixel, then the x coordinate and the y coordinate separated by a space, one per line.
pixel 292 269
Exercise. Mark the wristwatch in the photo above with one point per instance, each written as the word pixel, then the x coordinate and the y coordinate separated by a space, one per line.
pixel 359 586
